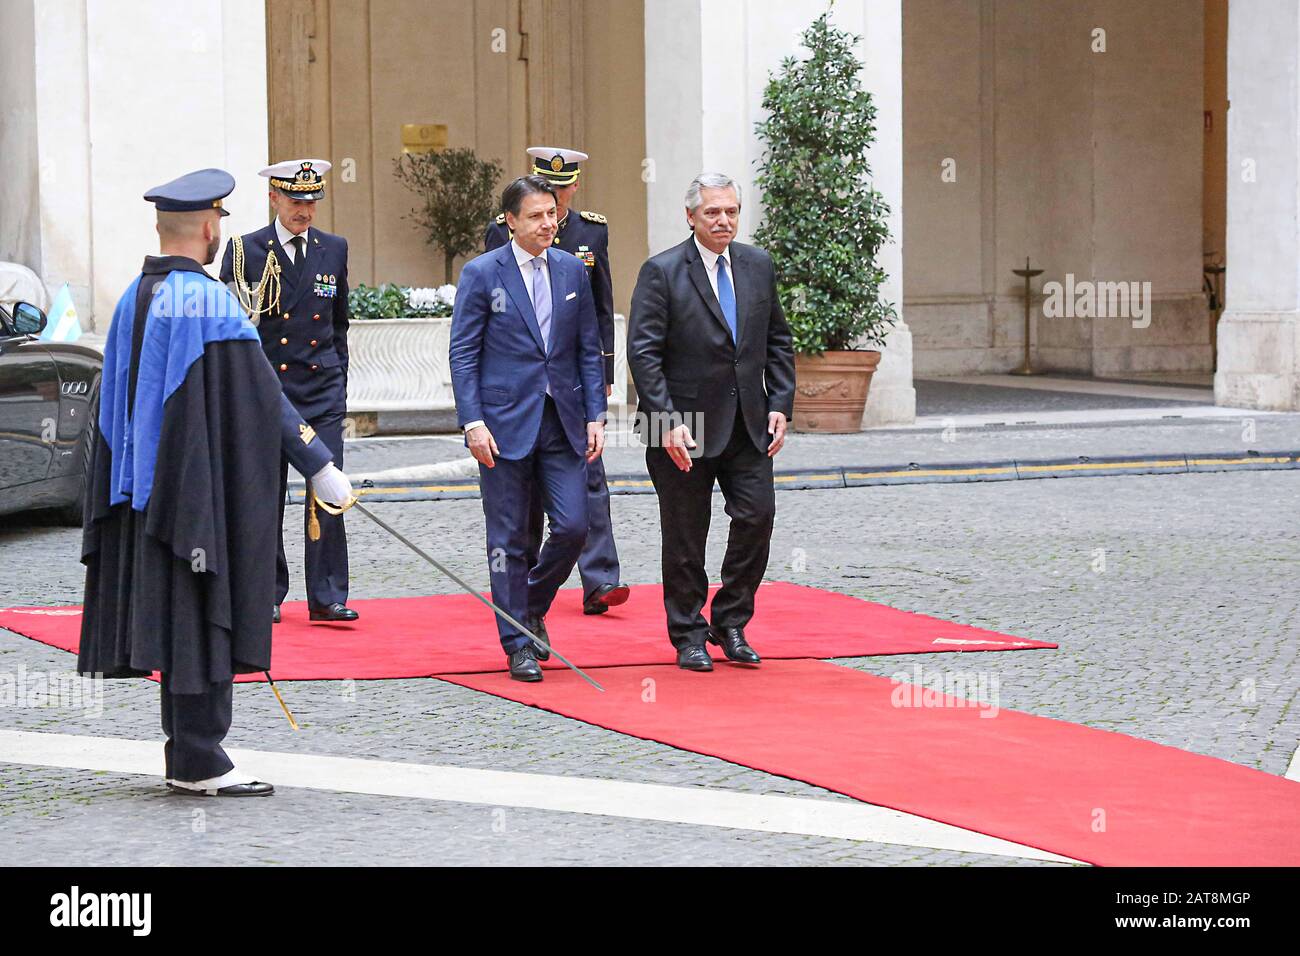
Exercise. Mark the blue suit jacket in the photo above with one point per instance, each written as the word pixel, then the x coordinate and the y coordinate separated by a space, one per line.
pixel 499 370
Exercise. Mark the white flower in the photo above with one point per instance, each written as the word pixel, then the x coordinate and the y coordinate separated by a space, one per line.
pixel 422 298
pixel 438 300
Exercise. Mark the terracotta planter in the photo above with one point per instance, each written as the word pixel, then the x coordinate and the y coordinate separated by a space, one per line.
pixel 831 390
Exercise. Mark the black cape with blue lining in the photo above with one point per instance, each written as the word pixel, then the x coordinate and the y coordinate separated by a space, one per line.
pixel 179 538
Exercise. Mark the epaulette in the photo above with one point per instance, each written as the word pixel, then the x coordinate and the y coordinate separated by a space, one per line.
pixel 501 218
pixel 594 217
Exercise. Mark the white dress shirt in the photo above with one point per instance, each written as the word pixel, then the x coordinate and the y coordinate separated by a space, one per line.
pixel 283 236
pixel 711 266
pixel 526 267
pixel 524 259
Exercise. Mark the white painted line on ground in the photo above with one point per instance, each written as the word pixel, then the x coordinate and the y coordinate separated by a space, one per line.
pixel 699 806
pixel 1293 771
pixel 457 468
pixel 958 640
pixel 448 436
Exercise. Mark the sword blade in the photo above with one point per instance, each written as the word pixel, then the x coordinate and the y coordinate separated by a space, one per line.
pixel 474 591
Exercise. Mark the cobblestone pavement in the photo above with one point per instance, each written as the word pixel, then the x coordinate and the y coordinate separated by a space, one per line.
pixel 1172 597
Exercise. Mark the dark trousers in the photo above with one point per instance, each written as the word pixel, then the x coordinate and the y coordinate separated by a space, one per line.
pixel 685 506
pixel 195 725
pixel 326 558
pixel 521 587
pixel 598 563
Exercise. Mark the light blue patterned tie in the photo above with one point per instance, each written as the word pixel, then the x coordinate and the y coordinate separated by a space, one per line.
pixel 726 296
pixel 542 302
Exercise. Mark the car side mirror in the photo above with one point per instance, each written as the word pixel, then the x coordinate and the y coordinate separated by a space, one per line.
pixel 28 320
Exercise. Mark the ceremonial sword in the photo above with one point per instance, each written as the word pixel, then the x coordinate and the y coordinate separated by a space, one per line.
pixel 354 502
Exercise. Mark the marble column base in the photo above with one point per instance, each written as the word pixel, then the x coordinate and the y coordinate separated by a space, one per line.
pixel 1259 361
pixel 892 399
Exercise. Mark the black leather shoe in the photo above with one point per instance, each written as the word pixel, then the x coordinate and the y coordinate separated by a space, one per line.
pixel 538 626
pixel 732 642
pixel 523 665
pixel 335 612
pixel 254 789
pixel 605 597
pixel 275 615
pixel 693 657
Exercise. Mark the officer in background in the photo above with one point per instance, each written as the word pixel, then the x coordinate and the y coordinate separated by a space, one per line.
pixel 293 280
pixel 585 235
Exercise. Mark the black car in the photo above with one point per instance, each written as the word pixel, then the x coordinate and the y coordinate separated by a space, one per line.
pixel 49 405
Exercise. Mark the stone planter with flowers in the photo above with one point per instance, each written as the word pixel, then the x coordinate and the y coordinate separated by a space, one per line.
pixel 399 346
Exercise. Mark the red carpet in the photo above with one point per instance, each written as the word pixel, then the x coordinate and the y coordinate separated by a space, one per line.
pixel 455 634
pixel 1092 795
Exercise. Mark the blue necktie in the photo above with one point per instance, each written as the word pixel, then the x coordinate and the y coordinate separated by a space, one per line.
pixel 726 296
pixel 542 302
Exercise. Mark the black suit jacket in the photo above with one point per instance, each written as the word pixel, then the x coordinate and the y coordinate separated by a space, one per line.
pixel 684 361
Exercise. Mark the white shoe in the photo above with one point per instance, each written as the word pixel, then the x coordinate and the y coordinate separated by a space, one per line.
pixel 232 783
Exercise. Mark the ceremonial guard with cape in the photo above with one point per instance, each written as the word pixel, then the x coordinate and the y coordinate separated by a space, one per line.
pixel 179 536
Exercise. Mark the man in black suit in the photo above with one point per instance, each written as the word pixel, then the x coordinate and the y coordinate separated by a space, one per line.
pixel 712 360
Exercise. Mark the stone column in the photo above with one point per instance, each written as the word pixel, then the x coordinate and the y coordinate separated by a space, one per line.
pixel 706 66
pixel 154 100
pixel 45 194
pixel 1259 332
pixel 674 115
pixel 892 399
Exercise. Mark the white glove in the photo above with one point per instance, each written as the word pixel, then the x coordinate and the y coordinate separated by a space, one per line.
pixel 332 486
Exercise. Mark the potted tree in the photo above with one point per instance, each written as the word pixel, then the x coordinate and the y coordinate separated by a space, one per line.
pixel 399 343
pixel 824 225
pixel 458 198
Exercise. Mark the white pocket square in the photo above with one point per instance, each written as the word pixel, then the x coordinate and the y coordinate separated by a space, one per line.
pixel 571 295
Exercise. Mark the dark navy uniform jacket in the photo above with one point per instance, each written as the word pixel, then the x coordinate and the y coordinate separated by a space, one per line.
pixel 306 338
pixel 585 235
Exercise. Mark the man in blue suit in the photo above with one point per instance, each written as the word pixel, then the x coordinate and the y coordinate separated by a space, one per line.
pixel 586 235
pixel 529 381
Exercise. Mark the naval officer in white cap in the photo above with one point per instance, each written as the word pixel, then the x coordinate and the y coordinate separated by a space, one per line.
pixel 293 279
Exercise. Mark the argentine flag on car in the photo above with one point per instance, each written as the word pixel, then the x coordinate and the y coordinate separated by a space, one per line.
pixel 63 325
